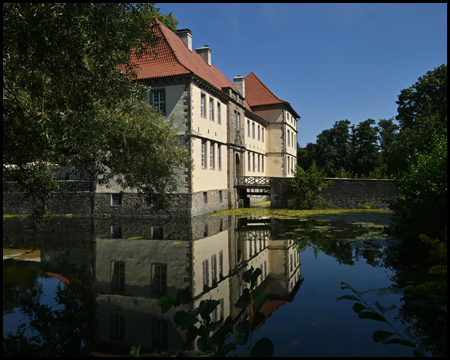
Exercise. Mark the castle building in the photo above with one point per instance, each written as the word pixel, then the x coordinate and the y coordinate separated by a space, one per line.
pixel 236 129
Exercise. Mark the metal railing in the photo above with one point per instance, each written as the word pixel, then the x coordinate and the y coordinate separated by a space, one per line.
pixel 252 181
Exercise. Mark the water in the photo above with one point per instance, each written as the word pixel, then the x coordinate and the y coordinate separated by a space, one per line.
pixel 82 286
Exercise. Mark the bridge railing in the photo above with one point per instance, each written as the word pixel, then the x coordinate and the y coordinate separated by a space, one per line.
pixel 252 181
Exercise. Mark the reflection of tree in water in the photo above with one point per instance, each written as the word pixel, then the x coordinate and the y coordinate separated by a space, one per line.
pixel 63 329
pixel 336 239
pixel 424 310
pixel 20 283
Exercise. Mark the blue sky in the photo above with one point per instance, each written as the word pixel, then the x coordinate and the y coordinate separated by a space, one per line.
pixel 329 61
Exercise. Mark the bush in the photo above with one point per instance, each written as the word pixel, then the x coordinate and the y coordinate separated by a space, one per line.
pixel 422 206
pixel 306 187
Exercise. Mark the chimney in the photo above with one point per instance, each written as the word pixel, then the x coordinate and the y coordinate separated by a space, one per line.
pixel 239 84
pixel 186 36
pixel 205 53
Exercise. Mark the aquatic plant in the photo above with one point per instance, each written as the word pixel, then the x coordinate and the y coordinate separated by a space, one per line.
pixel 224 339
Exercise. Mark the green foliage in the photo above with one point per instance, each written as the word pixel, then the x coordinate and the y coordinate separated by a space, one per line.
pixel 70 98
pixel 306 187
pixel 422 112
pixel 343 174
pixel 367 311
pixel 333 148
pixel 365 153
pixel 422 206
pixel 224 338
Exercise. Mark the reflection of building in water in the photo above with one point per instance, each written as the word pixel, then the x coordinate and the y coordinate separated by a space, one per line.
pixel 140 260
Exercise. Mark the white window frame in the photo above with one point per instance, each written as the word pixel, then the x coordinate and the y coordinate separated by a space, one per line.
pixel 211 155
pixel 202 105
pixel 211 109
pixel 203 154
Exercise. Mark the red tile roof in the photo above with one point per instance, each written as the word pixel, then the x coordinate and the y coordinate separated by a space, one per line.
pixel 257 93
pixel 174 58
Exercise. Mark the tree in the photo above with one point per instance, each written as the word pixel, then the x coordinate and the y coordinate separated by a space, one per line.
pixel 306 187
pixel 70 98
pixel 365 154
pixel 333 148
pixel 306 155
pixel 422 206
pixel 387 136
pixel 422 113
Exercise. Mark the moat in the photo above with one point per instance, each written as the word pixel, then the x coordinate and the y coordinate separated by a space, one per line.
pixel 82 286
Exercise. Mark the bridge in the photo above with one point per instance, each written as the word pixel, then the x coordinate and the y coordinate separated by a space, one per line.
pixel 252 185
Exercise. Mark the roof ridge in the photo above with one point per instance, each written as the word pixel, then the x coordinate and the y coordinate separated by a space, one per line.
pixel 265 86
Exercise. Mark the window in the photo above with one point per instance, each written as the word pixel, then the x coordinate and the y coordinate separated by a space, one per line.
pixel 248 128
pixel 254 168
pixel 117 327
pixel 205 230
pixel 205 272
pixel 258 133
pixel 221 262
pixel 211 155
pixel 211 109
pixel 218 157
pixel 157 233
pixel 259 163
pixel 262 163
pixel 117 276
pixel 158 100
pixel 289 165
pixel 203 154
pixel 220 196
pixel 160 333
pixel 249 161
pixel 213 268
pixel 238 124
pixel 159 280
pixel 253 130
pixel 205 197
pixel 289 138
pixel 218 112
pixel 262 134
pixel 235 119
pixel 116 232
pixel 116 199
pixel 202 105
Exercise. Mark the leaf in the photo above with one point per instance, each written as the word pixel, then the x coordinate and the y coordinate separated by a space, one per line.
pixel 202 344
pixel 348 297
pixel 357 308
pixel 259 300
pixel 247 275
pixel 384 309
pixel 254 276
pixel 184 296
pixel 257 320
pixel 371 315
pixel 263 347
pixel 165 303
pixel 206 307
pixel 244 299
pixel 380 335
pixel 398 341
pixel 184 320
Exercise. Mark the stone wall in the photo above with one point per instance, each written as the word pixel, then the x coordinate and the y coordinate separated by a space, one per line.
pixel 74 198
pixel 343 193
